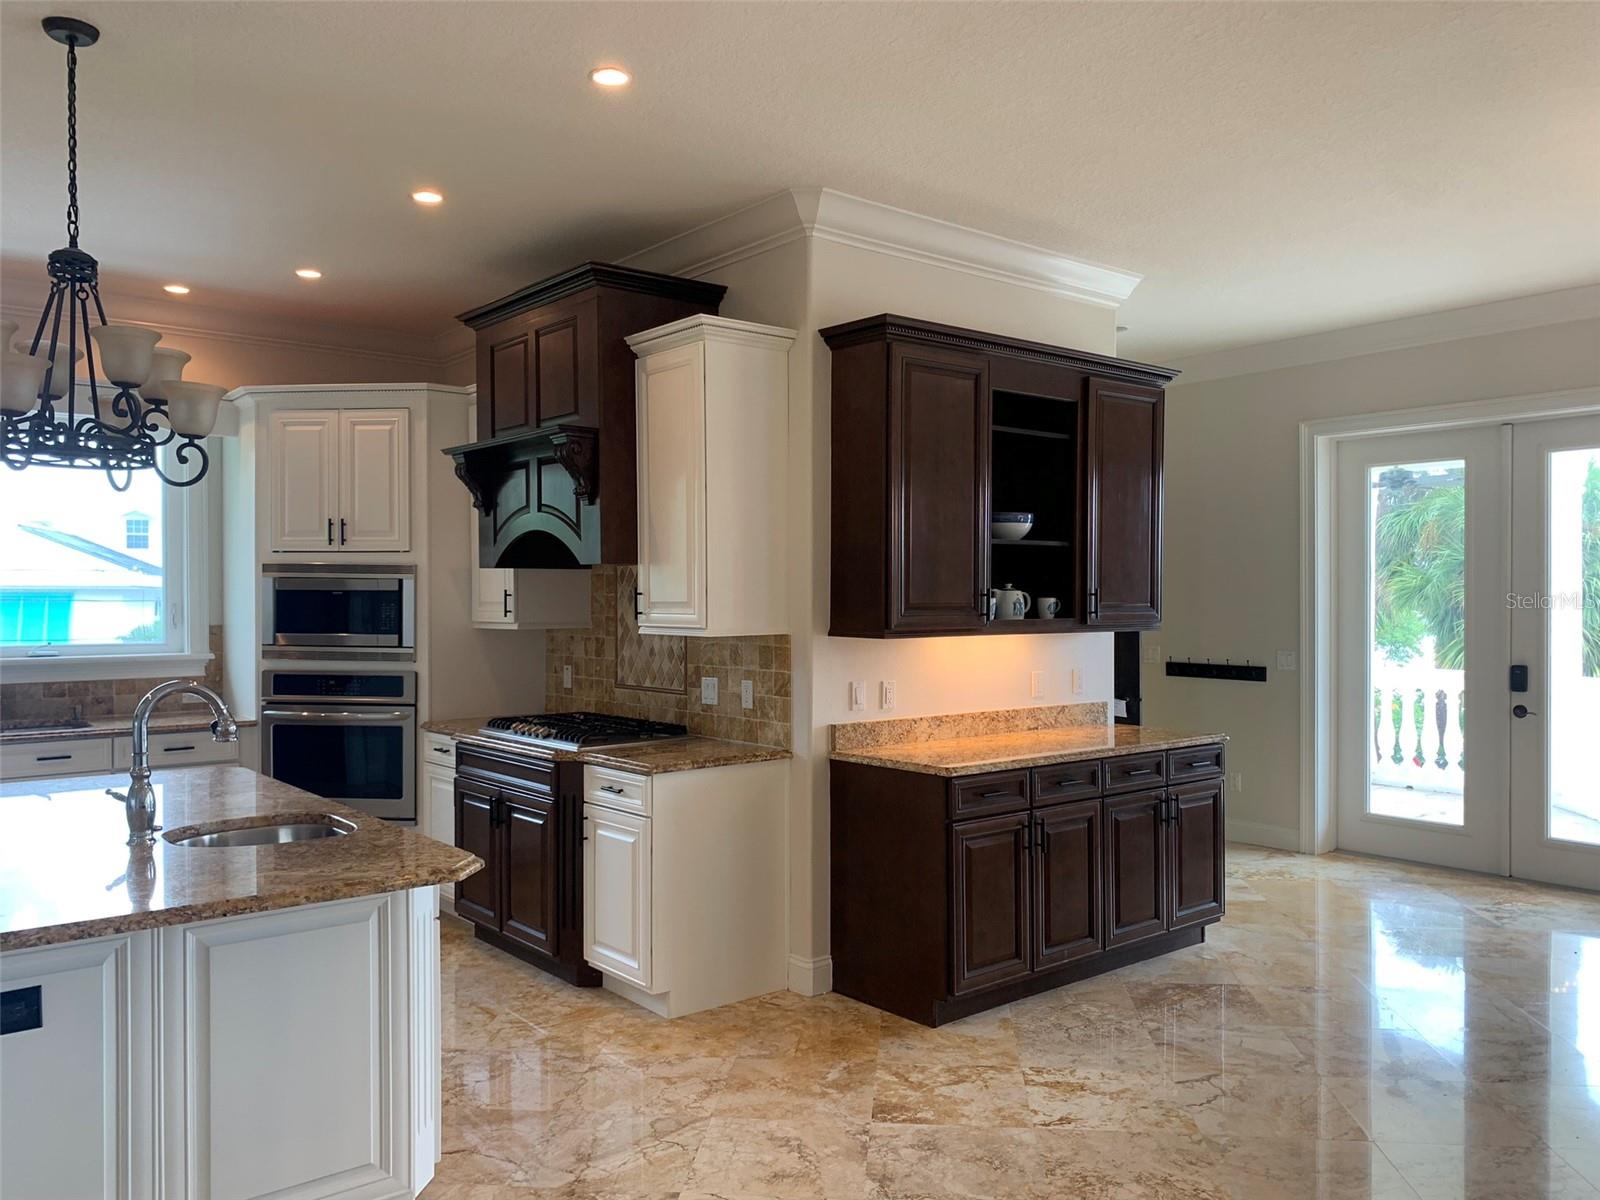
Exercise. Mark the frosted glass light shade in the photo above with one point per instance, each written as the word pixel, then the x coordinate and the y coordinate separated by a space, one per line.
pixel 124 352
pixel 166 365
pixel 21 376
pixel 193 406
pixel 61 376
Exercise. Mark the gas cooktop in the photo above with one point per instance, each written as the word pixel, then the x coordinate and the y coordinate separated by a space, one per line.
pixel 575 730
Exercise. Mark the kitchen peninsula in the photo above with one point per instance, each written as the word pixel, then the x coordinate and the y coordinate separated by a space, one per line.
pixel 1030 847
pixel 228 1019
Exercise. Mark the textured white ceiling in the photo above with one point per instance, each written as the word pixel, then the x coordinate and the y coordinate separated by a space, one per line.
pixel 1271 169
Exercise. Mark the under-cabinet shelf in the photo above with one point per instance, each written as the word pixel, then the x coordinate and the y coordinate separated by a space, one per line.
pixel 1029 542
pixel 1037 433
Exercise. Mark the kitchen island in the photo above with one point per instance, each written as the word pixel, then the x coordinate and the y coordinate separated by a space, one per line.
pixel 216 1020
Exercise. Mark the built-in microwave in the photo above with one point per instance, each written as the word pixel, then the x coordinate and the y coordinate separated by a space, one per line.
pixel 345 607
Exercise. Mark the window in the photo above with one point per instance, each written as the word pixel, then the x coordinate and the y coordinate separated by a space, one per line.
pixel 88 572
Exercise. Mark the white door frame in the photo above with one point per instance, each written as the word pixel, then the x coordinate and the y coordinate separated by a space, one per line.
pixel 1318 440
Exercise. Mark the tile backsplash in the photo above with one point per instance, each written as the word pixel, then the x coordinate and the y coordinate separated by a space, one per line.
pixel 660 678
pixel 43 702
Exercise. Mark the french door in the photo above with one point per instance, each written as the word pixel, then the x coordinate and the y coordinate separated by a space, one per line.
pixel 1467 633
pixel 1554 606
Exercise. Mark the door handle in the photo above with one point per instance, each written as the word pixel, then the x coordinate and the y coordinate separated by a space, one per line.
pixel 1094 602
pixel 330 531
pixel 341 531
pixel 505 603
pixel 1519 711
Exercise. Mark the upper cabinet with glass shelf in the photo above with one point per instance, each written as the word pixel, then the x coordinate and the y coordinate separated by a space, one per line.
pixel 984 484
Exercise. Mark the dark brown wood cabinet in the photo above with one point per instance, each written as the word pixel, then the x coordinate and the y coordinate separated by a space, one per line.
pixel 520 814
pixel 477 830
pixel 1070 922
pixel 557 441
pixel 1195 826
pixel 991 900
pixel 954 895
pixel 532 870
pixel 935 429
pixel 1136 867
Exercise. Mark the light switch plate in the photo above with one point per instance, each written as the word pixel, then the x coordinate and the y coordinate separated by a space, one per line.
pixel 1150 652
pixel 1288 660
pixel 1035 684
pixel 1077 682
pixel 566 676
pixel 886 694
pixel 708 689
pixel 858 695
pixel 747 694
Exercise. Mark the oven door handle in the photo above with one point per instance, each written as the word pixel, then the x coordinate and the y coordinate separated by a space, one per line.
pixel 361 714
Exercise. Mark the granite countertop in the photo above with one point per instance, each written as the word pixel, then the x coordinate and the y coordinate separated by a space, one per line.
pixel 1027 748
pixel 693 753
pixel 172 722
pixel 66 872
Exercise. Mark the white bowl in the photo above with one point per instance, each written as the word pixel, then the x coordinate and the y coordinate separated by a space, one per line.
pixel 1010 531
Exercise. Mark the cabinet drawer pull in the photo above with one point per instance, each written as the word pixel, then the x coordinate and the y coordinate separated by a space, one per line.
pixel 1204 762
pixel 52 758
pixel 615 791
pixel 1141 771
pixel 994 792
pixel 175 749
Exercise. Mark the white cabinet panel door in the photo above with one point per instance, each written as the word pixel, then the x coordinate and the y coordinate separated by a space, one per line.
pixel 303 479
pixel 439 808
pixel 375 479
pixel 672 487
pixel 616 901
pixel 68 1086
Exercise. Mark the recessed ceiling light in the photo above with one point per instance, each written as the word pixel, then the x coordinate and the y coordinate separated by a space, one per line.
pixel 308 273
pixel 428 197
pixel 610 77
pixel 177 289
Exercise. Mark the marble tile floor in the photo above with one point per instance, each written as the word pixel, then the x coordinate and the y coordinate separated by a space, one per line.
pixel 1354 1028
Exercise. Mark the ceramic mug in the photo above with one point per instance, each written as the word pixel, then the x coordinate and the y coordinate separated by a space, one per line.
pixel 1048 607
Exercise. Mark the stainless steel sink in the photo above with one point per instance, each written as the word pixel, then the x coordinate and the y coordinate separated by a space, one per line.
pixel 266 834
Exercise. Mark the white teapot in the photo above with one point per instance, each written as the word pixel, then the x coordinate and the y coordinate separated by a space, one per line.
pixel 1007 603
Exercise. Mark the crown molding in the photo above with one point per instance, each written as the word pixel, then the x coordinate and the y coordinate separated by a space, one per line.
pixel 1449 325
pixel 833 216
pixel 22 299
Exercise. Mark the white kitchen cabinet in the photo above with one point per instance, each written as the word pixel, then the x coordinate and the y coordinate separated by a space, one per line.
pixel 503 598
pixel 55 756
pixel 683 884
pixel 438 809
pixel 339 480
pixel 617 899
pixel 713 419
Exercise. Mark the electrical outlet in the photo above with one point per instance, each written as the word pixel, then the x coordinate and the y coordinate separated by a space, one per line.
pixel 886 695
pixel 747 694
pixel 1077 682
pixel 1151 653
pixel 1036 684
pixel 708 689
pixel 1288 660
pixel 1236 783
pixel 858 695
pixel 566 676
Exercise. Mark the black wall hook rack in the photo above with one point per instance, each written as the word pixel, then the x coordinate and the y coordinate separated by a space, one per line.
pixel 1245 672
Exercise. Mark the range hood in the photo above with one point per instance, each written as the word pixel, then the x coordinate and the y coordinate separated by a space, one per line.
pixel 553 478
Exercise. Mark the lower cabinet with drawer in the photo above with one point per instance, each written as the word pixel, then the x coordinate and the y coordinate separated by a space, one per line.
pixel 684 877
pixel 954 895
pixel 521 814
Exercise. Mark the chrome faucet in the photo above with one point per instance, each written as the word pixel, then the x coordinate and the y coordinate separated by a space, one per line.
pixel 140 798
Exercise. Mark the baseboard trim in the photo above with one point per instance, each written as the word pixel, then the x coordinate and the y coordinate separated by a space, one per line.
pixel 1254 833
pixel 810 976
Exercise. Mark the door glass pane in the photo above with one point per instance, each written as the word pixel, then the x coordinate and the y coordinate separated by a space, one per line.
pixel 1417 640
pixel 1572 606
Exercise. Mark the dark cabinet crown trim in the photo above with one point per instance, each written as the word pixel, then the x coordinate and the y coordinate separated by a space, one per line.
pixel 889 327
pixel 594 274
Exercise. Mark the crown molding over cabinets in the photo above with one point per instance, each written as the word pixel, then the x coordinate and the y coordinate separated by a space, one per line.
pixel 832 216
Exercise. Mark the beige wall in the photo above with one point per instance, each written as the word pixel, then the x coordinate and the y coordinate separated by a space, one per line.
pixel 809 284
pixel 1232 561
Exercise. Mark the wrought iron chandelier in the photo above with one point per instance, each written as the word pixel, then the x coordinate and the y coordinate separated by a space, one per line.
pixel 47 417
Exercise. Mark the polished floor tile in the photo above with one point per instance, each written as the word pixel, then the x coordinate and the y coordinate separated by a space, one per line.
pixel 1353 1030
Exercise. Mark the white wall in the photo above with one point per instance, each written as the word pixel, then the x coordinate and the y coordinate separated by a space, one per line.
pixel 1232 557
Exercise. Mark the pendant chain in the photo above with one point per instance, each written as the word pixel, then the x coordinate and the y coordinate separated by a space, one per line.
pixel 72 146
